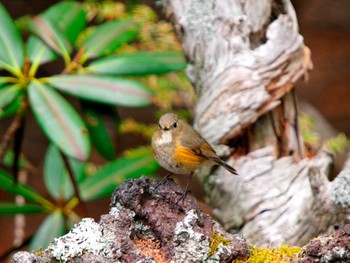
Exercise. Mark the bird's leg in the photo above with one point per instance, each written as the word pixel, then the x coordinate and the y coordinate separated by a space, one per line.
pixel 184 194
pixel 162 181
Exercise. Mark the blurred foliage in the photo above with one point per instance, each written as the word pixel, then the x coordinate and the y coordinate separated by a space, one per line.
pixel 310 136
pixel 129 125
pixel 112 55
pixel 337 145
pixel 171 91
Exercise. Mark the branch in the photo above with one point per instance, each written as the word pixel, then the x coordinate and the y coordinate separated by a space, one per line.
pixel 81 204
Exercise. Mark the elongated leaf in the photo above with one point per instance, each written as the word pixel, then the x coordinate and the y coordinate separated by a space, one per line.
pixel 12 107
pixel 56 176
pixel 13 208
pixel 52 227
pixel 108 37
pixel 7 95
pixel 102 183
pixel 69 17
pixel 4 81
pixel 11 45
pixel 7 184
pixel 51 35
pixel 103 89
pixel 59 121
pixel 98 132
pixel 139 63
pixel 38 50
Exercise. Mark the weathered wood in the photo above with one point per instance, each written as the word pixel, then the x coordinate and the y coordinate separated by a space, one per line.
pixel 241 62
pixel 278 200
pixel 244 58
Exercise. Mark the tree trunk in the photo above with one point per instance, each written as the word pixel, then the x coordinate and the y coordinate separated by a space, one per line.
pixel 244 58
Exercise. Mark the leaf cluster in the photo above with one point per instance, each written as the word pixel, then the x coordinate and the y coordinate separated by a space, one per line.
pixel 103 54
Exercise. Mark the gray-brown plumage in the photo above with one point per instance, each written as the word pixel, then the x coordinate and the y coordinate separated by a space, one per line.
pixel 180 149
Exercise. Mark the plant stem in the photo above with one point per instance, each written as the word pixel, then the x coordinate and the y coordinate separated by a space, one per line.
pixel 11 131
pixel 17 146
pixel 81 206
pixel 297 126
pixel 5 142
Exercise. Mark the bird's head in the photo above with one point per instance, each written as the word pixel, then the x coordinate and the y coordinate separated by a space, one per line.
pixel 169 122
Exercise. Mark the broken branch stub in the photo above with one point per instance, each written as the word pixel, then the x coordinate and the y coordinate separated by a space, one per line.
pixel 244 59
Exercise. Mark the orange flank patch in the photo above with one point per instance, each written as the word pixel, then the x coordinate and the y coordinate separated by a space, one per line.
pixel 187 158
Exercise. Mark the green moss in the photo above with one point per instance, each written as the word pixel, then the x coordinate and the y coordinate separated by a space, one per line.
pixel 282 254
pixel 215 240
pixel 308 126
pixel 338 144
pixel 38 252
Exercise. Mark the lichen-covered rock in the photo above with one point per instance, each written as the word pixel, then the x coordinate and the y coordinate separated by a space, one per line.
pixel 85 237
pixel 334 248
pixel 146 223
pixel 184 232
pixel 24 257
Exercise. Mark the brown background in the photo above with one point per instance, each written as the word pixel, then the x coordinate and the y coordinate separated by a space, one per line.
pixel 325 25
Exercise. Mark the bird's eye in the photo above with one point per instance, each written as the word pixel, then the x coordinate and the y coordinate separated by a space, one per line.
pixel 175 125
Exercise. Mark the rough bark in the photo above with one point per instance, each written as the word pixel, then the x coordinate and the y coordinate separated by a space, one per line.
pixel 244 58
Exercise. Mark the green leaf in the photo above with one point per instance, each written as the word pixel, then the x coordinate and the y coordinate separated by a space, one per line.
pixel 7 184
pixel 52 227
pixel 13 208
pixel 59 121
pixel 6 80
pixel 103 89
pixel 56 176
pixel 139 64
pixel 38 50
pixel 69 17
pixel 8 94
pixel 11 45
pixel 98 132
pixel 51 35
pixel 338 144
pixel 102 183
pixel 12 107
pixel 108 37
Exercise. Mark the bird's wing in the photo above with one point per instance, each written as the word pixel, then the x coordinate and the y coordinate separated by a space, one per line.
pixel 196 143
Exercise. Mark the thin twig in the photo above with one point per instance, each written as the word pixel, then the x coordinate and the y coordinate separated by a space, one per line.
pixel 14 126
pixel 297 126
pixel 5 142
pixel 20 219
pixel 81 206
pixel 17 146
pixel 75 63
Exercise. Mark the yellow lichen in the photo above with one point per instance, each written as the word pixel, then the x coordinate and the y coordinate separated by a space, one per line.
pixel 282 254
pixel 215 240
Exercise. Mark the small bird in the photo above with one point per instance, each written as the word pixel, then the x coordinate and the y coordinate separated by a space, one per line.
pixel 180 149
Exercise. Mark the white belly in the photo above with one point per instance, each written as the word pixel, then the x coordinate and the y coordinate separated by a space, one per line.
pixel 166 138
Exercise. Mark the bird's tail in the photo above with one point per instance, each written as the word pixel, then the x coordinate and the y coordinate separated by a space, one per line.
pixel 227 167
